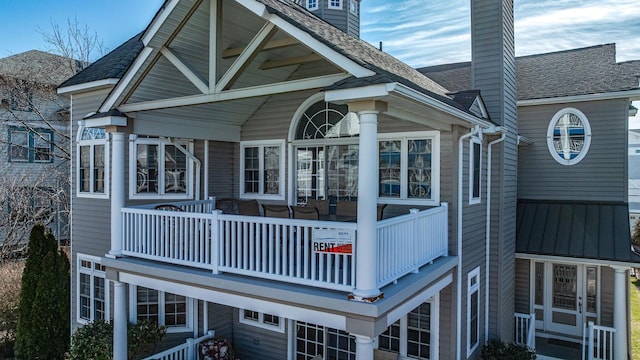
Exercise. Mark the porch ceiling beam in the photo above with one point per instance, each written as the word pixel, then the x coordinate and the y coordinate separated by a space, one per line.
pixel 273 44
pixel 228 95
pixel 185 69
pixel 297 60
pixel 244 59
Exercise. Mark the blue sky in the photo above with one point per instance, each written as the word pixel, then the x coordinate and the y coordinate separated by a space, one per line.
pixel 419 32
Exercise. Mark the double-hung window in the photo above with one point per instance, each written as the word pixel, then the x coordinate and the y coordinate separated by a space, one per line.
pixel 93 160
pixel 475 170
pixel 408 168
pixel 93 290
pixel 262 169
pixel 30 145
pixel 473 310
pixel 164 308
pixel 335 4
pixel 313 340
pixel 160 168
pixel 312 4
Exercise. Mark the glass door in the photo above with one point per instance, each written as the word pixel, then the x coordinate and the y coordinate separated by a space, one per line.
pixel 564 314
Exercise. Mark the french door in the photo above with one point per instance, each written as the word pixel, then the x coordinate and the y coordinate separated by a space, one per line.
pixel 567 294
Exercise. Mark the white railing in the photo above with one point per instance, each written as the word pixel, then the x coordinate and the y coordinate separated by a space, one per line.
pixel 177 237
pixel 282 249
pixel 526 330
pixel 599 342
pixel 407 242
pixel 186 351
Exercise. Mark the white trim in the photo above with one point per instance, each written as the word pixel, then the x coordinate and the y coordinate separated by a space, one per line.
pixel 224 298
pixel 133 313
pixel 106 121
pixel 475 140
pixel 185 70
pixel 161 143
pixel 92 85
pixel 309 7
pixel 630 94
pixel 93 273
pixel 124 81
pixel 261 144
pixel 550 136
pixel 92 145
pixel 571 260
pixel 159 20
pixel 434 290
pixel 473 289
pixel 260 321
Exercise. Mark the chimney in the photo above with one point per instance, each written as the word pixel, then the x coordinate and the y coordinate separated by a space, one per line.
pixel 493 73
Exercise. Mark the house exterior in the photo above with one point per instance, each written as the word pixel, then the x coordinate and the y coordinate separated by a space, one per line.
pixel 34 133
pixel 197 135
pixel 634 173
pixel 572 249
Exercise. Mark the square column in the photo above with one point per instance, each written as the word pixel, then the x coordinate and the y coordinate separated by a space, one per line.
pixel 366 248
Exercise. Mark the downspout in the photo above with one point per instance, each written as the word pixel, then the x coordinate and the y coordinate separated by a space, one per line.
pixel 471 133
pixel 488 231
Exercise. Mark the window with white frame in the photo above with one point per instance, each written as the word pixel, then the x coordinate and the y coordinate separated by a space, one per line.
pixel 353 6
pixel 161 168
pixel 30 145
pixel 473 310
pixel 568 136
pixel 335 4
pixel 412 335
pixel 475 170
pixel 93 290
pixel 408 168
pixel 92 165
pixel 262 320
pixel 262 169
pixel 313 340
pixel 170 310
pixel 312 4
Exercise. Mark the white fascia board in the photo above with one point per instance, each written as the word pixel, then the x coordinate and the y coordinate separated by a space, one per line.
pixel 238 301
pixel 106 121
pixel 255 7
pixel 124 82
pixel 227 95
pixel 633 95
pixel 359 93
pixel 427 100
pixel 88 86
pixel 157 22
pixel 402 310
pixel 572 260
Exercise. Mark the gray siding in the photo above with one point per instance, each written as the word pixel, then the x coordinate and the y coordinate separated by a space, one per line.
pixel 252 342
pixel 493 72
pixel 523 290
pixel 600 176
pixel 606 293
pixel 223 169
pixel 447 323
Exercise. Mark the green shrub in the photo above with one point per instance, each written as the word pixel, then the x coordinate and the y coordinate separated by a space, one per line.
pixel 43 316
pixel 95 340
pixel 497 350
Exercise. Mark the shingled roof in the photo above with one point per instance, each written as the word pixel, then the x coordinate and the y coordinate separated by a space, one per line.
pixel 111 66
pixel 38 66
pixel 590 70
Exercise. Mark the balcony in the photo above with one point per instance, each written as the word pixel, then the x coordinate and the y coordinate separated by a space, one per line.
pixel 305 252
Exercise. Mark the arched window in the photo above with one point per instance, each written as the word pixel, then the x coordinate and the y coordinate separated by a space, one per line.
pixel 569 136
pixel 93 160
pixel 326 120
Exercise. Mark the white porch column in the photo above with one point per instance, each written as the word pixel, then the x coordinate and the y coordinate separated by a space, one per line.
pixel 364 347
pixel 620 313
pixel 366 250
pixel 119 320
pixel 117 190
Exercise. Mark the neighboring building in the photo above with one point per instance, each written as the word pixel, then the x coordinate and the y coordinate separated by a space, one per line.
pixel 634 174
pixel 34 138
pixel 261 102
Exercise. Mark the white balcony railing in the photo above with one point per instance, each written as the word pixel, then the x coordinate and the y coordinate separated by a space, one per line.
pixel 185 351
pixel 287 250
pixel 599 341
pixel 526 330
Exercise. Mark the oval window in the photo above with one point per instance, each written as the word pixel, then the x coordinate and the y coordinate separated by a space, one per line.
pixel 569 136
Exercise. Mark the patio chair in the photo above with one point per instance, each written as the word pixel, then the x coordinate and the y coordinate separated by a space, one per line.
pixel 347 208
pixel 167 207
pixel 227 205
pixel 276 211
pixel 380 210
pixel 215 349
pixel 305 212
pixel 321 205
pixel 248 207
